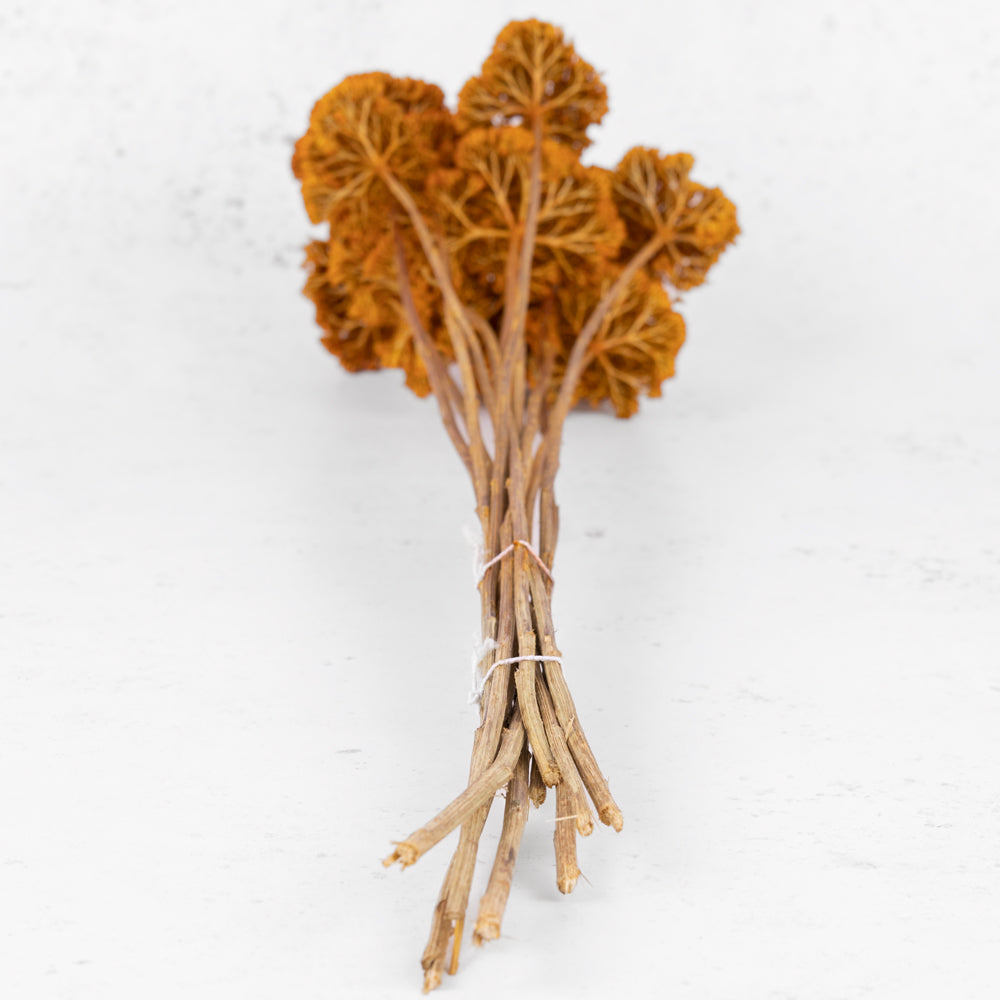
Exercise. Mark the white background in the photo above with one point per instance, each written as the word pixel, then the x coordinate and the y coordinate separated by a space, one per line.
pixel 236 607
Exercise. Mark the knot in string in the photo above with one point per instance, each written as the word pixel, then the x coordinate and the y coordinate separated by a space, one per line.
pixel 528 547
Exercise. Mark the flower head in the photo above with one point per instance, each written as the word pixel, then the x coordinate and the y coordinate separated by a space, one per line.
pixel 655 195
pixel 534 75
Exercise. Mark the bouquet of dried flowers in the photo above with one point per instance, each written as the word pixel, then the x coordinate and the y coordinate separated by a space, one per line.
pixel 473 250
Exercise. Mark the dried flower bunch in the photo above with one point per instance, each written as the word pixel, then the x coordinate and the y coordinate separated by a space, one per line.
pixel 473 250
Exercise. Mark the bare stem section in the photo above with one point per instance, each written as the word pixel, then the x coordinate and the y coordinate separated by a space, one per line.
pixel 567 871
pixel 510 752
pixel 571 785
pixel 479 792
pixel 566 714
pixel 536 787
pixel 515 816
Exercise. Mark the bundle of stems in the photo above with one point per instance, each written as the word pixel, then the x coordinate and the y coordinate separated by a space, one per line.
pixel 474 251
pixel 530 736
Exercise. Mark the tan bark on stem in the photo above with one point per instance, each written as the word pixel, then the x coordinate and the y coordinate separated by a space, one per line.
pixel 456 945
pixel 460 333
pixel 460 883
pixel 524 676
pixel 484 378
pixel 536 787
pixel 481 464
pixel 511 377
pixel 594 781
pixel 567 768
pixel 487 337
pixel 515 815
pixel 508 417
pixel 498 623
pixel 533 412
pixel 548 530
pixel 484 752
pixel 547 455
pixel 497 535
pixel 436 372
pixel 479 792
pixel 564 840
pixel 496 693
pixel 509 441
pixel 432 960
pixel 524 679
pixel 518 303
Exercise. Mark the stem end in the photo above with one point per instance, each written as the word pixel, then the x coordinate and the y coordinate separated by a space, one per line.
pixel 611 816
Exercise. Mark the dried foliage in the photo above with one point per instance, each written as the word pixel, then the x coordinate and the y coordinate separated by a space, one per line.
pixel 656 197
pixel 534 74
pixel 369 125
pixel 352 281
pixel 483 205
pixel 632 352
pixel 474 251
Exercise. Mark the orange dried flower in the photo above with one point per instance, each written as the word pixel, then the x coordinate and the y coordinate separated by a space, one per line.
pixel 369 125
pixel 654 195
pixel 483 206
pixel 633 351
pixel 354 286
pixel 476 253
pixel 374 129
pixel 534 74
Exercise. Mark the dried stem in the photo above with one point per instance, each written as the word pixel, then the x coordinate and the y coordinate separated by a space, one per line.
pixel 524 678
pixel 571 783
pixel 536 787
pixel 479 792
pixel 515 592
pixel 594 781
pixel 436 372
pixel 460 333
pixel 548 452
pixel 515 816
pixel 564 839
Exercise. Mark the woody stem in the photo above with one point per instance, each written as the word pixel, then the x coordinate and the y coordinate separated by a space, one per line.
pixel 547 455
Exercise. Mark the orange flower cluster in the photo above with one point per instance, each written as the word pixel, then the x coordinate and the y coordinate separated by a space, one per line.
pixel 534 72
pixel 376 142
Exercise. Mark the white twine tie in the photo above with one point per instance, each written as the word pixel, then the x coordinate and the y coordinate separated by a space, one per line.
pixel 476 695
pixel 481 648
pixel 527 546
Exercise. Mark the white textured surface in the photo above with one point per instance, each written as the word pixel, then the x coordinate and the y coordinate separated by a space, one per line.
pixel 234 653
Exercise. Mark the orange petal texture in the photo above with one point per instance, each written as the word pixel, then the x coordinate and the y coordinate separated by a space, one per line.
pixel 534 74
pixel 655 194
pixel 467 174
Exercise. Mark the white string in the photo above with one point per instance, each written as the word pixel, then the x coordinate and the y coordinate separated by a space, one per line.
pixel 510 548
pixel 476 695
pixel 481 648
